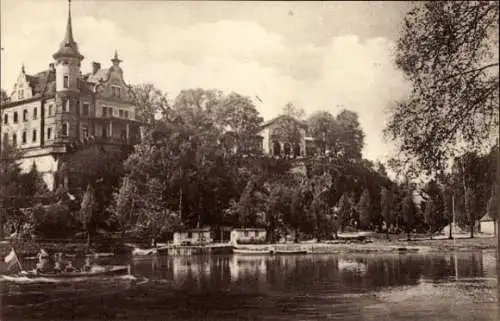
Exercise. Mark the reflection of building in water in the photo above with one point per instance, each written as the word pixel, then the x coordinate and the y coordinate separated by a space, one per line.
pixel 489 264
pixel 190 268
pixel 243 267
pixel 352 266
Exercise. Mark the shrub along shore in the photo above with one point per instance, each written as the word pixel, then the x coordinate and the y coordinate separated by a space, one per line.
pixel 375 245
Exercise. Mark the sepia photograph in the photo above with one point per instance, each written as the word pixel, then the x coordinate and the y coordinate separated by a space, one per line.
pixel 249 160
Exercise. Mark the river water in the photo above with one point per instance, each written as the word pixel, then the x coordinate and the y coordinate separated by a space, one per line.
pixel 442 287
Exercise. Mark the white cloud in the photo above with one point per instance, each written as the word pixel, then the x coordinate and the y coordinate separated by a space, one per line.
pixel 238 56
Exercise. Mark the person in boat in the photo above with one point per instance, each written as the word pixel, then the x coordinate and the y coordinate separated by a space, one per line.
pixel 69 267
pixel 58 263
pixel 42 265
pixel 87 265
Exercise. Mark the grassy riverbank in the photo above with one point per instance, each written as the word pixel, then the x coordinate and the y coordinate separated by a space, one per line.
pixel 381 245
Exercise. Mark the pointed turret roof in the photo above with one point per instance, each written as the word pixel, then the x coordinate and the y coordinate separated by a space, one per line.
pixel 116 60
pixel 68 47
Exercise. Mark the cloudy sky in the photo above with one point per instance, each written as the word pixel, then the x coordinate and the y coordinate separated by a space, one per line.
pixel 317 55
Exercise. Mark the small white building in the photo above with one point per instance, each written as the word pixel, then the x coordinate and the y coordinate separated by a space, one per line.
pixel 248 235
pixel 197 236
pixel 487 225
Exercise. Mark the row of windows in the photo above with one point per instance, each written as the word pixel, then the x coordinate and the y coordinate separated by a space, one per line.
pixel 65 108
pixel 24 136
pixel 108 112
pixel 16 117
pixel 34 135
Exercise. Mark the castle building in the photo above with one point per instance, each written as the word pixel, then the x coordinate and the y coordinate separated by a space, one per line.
pixel 50 112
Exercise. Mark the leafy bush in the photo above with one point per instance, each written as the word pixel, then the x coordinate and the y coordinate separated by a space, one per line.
pixel 53 221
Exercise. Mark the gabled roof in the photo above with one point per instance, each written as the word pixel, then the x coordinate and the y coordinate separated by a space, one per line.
pixel 486 218
pixel 274 120
pixel 42 83
pixel 100 75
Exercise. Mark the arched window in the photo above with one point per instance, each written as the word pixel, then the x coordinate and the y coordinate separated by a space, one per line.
pixel 296 150
pixel 25 115
pixel 15 117
pixel 287 149
pixel 33 136
pixel 14 139
pixel 24 137
pixel 276 148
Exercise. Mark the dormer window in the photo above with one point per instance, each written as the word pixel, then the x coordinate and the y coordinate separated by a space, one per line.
pixel 66 81
pixel 115 91
pixel 20 94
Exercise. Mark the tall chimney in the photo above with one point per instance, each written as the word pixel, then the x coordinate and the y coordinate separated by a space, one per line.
pixel 95 67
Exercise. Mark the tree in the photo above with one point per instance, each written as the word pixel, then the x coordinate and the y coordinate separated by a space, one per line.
pixel 447 51
pixel 472 188
pixel 408 214
pixel 493 206
pixel 289 127
pixel 470 209
pixel 123 207
pixel 277 208
pixel 150 102
pixel 364 209
pixel 325 130
pixel 299 206
pixel 351 138
pixel 33 184
pixel 10 189
pixel 345 211
pixel 386 205
pixel 238 115
pixel 434 212
pixel 88 211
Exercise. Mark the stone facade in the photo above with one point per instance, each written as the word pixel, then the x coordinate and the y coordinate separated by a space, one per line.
pixel 275 147
pixel 49 112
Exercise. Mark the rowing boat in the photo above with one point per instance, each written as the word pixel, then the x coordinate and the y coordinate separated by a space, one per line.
pixel 297 251
pixel 97 272
pixel 252 251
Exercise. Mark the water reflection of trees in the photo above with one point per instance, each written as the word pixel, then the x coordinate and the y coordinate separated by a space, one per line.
pixel 297 273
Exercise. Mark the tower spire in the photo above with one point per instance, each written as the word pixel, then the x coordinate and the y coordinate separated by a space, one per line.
pixel 116 61
pixel 68 47
pixel 68 38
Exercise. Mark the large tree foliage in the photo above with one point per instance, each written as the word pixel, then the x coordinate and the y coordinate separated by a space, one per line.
pixel 493 206
pixel 151 103
pixel 238 115
pixel 364 210
pixel 409 213
pixel 88 211
pixel 434 211
pixel 449 52
pixel 10 189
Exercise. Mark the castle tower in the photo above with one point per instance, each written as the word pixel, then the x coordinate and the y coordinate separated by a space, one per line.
pixel 68 61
